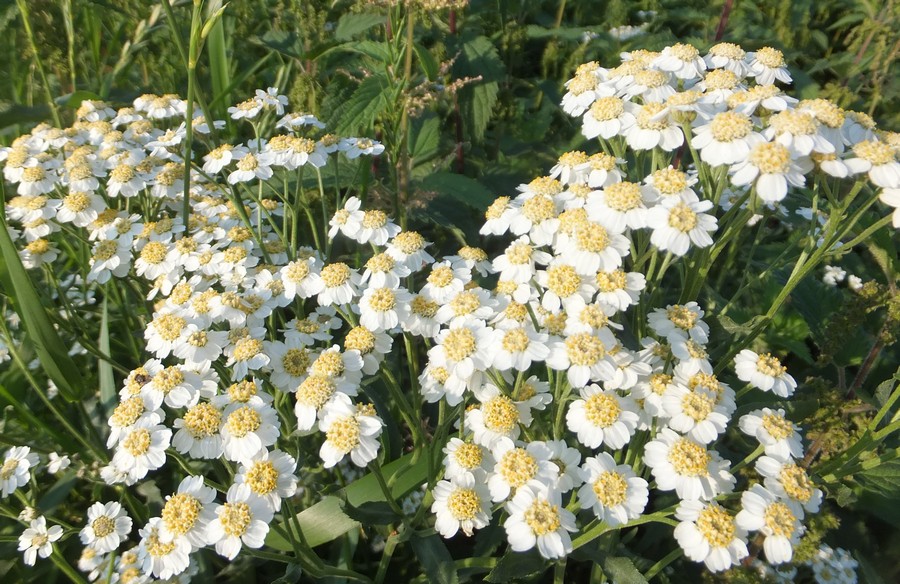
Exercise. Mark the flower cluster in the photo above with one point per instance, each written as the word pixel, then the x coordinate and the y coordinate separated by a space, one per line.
pixel 572 386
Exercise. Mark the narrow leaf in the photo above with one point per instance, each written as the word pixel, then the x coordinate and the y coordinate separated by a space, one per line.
pixel 104 368
pixel 435 559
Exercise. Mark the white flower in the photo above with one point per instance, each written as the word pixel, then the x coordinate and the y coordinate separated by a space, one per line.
pixel 15 470
pixel 788 480
pixel 465 458
pixel 537 518
pixel 108 525
pixel 879 160
pixel 613 491
pixel 376 228
pixel 198 432
pixel 162 560
pixel 382 309
pixel 709 534
pixel 243 519
pixel 654 127
pixel 584 357
pixel 602 417
pixel 57 464
pixel 767 65
pixel 349 429
pixel 336 284
pixel 498 417
pixel 681 464
pixel 726 139
pixel 347 220
pixel 763 512
pixel 834 566
pixel 695 413
pixel 727 56
pixel 772 167
pixel 681 59
pixel 248 428
pixel 676 224
pixel 37 540
pixel 142 448
pixel 462 503
pixel 188 512
pixel 680 321
pixel 779 436
pixel 251 166
pixel 516 466
pixel 764 372
pixel 619 289
pixel 356 147
pixel 607 117
pixel 518 348
pixel 833 275
pixel 270 476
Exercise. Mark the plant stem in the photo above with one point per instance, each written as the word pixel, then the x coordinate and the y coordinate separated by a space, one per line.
pixel 48 95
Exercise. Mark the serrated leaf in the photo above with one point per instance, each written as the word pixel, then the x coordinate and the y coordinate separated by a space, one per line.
pixel 352 24
pixel 884 478
pixel 370 513
pixel 427 61
pixel 622 571
pixel 462 188
pixel 284 42
pixel 48 346
pixel 738 329
pixel 885 389
pixel 479 58
pixel 425 138
pixel 364 106
pixel 435 559
pixel 516 565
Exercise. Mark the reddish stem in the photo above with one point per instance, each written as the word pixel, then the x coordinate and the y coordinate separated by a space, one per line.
pixel 723 20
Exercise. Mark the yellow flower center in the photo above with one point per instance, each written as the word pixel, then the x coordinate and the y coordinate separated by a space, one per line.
pixel 728 50
pixel 424 307
pixel 650 78
pixel 500 414
pixel 593 316
pixel 684 52
pixel 607 108
pixel 716 525
pixel 877 153
pixel 295 361
pixel 344 434
pixel 796 483
pixel 472 254
pixel 730 126
pixel 771 366
pixel 515 341
pixel 468 456
pixel 202 420
pixel 33 174
pixel 235 518
pixel 669 181
pixel 659 382
pixel 105 250
pixel 780 520
pixel 563 280
pixel 463 504
pixel 602 410
pixel 137 442
pixel 542 517
pixel 682 317
pixel 382 300
pixel 584 349
pixel 127 412
pixel 645 119
pixel 697 406
pixel 242 421
pixel 248 162
pixel 611 281
pixel 409 242
pixel 611 488
pixel 381 262
pixel 459 344
pixel 777 426
pixel 103 526
pixel 538 208
pixel 496 209
pixel 689 458
pixel 602 161
pixel 77 202
pixel 794 122
pixel 334 275
pixel 156 548
pixel 720 79
pixel 247 348
pixel 771 158
pixel 328 363
pixel 154 252
pixel 581 83
pixel 465 303
pixel 315 390
pixel 262 478
pixel 374 219
pixel 517 254
pixel 772 58
pixel 181 512
pixel 623 196
pixel 518 467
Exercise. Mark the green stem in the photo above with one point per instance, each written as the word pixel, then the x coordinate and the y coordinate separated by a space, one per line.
pixel 48 95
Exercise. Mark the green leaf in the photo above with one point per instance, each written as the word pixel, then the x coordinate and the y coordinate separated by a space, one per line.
pixel 13 113
pixel 219 61
pixel 427 61
pixel 425 138
pixel 435 559
pixel 352 24
pixel 734 328
pixel 516 565
pixel 622 571
pixel 291 575
pixel 479 58
pixel 104 368
pixel 370 513
pixel 868 572
pixel 462 188
pixel 363 107
pixel 56 494
pixel 279 41
pixel 326 521
pixel 883 479
pixel 73 100
pixel 49 347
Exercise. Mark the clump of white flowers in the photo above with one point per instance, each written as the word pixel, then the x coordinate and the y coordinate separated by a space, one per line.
pixel 570 391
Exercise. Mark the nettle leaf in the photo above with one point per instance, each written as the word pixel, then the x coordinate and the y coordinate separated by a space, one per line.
pixel 351 24
pixel 622 571
pixel 479 57
pixel 425 138
pixel 884 478
pixel 284 42
pixel 370 513
pixel 462 188
pixel 435 558
pixel 516 565
pixel 363 107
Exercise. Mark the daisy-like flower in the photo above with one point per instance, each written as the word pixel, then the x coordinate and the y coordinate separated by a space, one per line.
pixel 56 463
pixel 891 198
pixel 677 224
pixel 188 512
pixel 607 117
pixel 683 60
pixel 515 264
pixel 141 449
pixel 767 65
pixel 108 525
pixel 17 463
pixel 603 170
pixel 583 89
pixel 251 166
pixel 727 56
pixel 465 458
pixel 246 110
pixel 584 357
pixel 709 534
pixel 37 540
pixel 518 348
pixel 516 466
pixel 243 520
pixel 356 147
pixel 653 127
pixel 651 85
pixel 687 467
pixel 780 437
pixel 613 491
pixel 726 139
pixel 538 518
pixel 788 480
pixel 336 284
pixel 410 249
pixel 763 512
pixel 764 372
pixel 680 321
pixel 463 350
pixel 37 253
pixel 248 428
pixel 349 429
pixel 695 413
pixel 382 309
pixel 772 168
pixel 602 417
pixel 617 207
pixel 879 160
pixel 462 503
pixel 376 228
pixel 799 131
pixel 162 559
pixel 220 157
pixel 670 183
pixel 110 257
pixel 498 417
pixel 347 220
pixel 270 476
pixel 198 432
pixel 571 167
pixel 497 217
